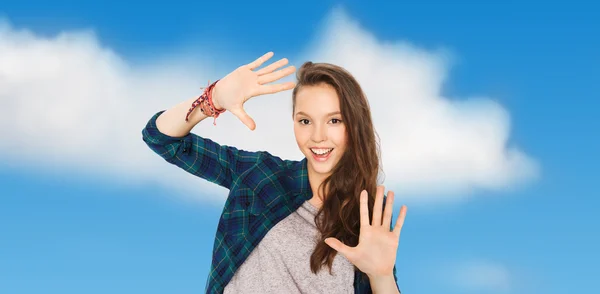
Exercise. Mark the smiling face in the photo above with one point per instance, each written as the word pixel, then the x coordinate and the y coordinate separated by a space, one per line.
pixel 321 92
pixel 318 127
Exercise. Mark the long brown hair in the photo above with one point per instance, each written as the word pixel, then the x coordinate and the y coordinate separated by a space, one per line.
pixel 357 169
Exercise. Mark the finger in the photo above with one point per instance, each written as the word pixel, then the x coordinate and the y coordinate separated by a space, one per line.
pixel 364 209
pixel 271 77
pixel 400 221
pixel 340 247
pixel 272 67
pixel 244 117
pixel 378 207
pixel 389 207
pixel 274 88
pixel 259 61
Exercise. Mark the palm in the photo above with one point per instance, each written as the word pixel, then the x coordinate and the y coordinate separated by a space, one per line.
pixel 375 253
pixel 236 88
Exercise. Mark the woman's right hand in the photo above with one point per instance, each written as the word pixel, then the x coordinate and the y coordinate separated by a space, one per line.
pixel 232 91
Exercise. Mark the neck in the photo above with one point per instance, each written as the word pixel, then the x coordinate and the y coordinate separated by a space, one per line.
pixel 315 181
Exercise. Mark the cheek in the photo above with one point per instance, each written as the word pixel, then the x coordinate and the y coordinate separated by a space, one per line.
pixel 338 136
pixel 301 135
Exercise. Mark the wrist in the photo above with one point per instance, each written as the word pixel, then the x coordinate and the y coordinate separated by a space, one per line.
pixel 206 104
pixel 214 97
pixel 381 277
pixel 383 284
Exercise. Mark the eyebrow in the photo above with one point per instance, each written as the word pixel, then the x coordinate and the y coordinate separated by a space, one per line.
pixel 329 114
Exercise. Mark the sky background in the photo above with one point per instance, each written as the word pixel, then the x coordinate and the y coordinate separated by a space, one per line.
pixel 488 114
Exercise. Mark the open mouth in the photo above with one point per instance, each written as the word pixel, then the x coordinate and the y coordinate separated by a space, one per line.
pixel 321 154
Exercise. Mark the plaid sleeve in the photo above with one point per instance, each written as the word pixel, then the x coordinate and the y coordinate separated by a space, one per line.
pixel 199 156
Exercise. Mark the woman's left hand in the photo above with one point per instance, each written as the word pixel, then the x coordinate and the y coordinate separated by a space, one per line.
pixel 375 254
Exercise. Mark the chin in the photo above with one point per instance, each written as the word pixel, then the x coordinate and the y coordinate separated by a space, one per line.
pixel 322 167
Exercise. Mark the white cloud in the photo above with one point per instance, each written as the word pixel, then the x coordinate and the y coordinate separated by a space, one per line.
pixel 430 144
pixel 69 102
pixel 478 277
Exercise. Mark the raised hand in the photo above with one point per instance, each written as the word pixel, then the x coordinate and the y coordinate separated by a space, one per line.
pixel 237 87
pixel 375 254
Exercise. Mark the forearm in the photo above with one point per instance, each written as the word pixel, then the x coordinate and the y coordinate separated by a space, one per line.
pixel 172 122
pixel 383 285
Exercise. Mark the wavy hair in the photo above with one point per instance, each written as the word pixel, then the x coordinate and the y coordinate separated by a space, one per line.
pixel 358 168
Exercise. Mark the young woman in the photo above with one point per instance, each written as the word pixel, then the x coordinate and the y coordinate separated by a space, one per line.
pixel 285 221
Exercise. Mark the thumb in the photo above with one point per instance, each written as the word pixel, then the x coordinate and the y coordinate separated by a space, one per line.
pixel 339 246
pixel 244 117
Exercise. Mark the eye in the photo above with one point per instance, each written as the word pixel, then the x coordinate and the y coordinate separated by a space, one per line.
pixel 336 121
pixel 303 121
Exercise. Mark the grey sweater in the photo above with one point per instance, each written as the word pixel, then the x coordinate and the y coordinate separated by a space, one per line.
pixel 281 261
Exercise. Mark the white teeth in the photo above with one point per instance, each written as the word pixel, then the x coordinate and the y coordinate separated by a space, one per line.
pixel 321 151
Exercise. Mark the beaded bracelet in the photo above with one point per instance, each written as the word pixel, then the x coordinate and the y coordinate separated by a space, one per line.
pixel 206 104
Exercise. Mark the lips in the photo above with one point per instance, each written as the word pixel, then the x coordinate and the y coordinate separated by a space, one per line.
pixel 321 154
pixel 321 151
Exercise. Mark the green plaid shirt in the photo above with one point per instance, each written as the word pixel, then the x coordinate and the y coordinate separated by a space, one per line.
pixel 263 190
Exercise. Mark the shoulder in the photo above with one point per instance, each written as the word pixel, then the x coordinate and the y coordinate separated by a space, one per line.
pixel 270 182
pixel 275 164
pixel 274 175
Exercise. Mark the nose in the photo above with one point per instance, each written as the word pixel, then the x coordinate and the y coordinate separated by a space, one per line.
pixel 319 133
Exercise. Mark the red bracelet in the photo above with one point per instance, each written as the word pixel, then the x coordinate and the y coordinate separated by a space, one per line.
pixel 206 104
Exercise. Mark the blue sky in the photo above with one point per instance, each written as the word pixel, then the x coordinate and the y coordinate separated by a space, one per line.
pixel 73 227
